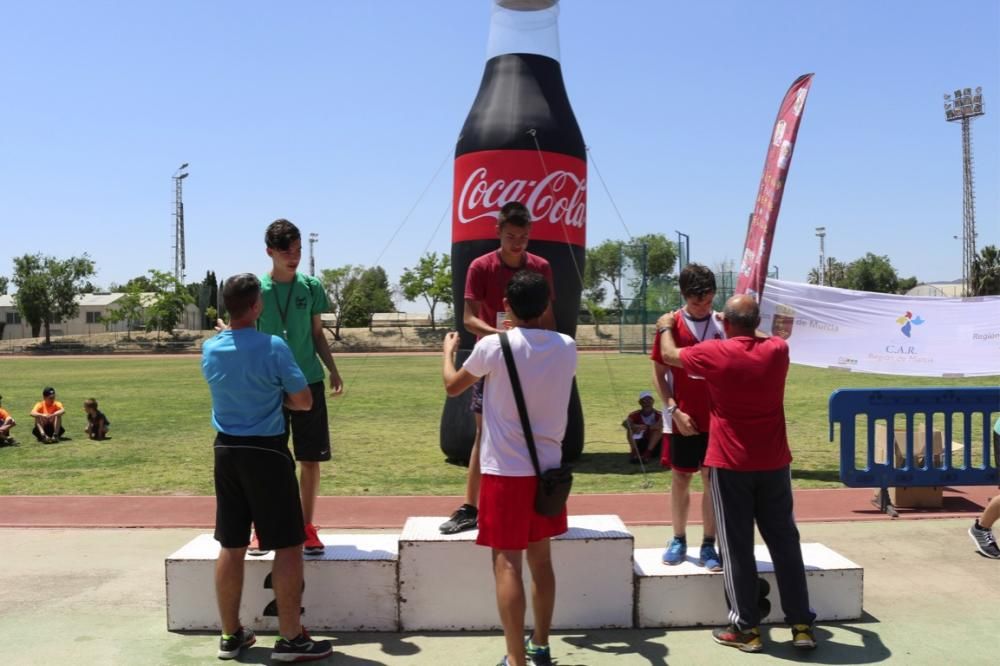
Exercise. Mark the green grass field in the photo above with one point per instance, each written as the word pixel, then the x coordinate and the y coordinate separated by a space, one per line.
pixel 384 429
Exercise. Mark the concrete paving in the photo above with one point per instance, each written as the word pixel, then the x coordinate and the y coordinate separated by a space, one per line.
pixel 96 596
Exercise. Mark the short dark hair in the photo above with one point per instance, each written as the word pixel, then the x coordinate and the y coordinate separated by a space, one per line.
pixel 281 234
pixel 696 280
pixel 528 295
pixel 239 293
pixel 742 317
pixel 90 402
pixel 516 213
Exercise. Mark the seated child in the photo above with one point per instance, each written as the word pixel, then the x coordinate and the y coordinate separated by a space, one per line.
pixel 97 422
pixel 6 423
pixel 644 430
pixel 48 417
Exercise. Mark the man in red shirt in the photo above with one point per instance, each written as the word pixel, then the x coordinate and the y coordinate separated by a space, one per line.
pixel 485 283
pixel 685 402
pixel 749 459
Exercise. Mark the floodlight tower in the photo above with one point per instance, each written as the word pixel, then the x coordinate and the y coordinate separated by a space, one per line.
pixel 313 239
pixel 179 262
pixel 821 233
pixel 965 106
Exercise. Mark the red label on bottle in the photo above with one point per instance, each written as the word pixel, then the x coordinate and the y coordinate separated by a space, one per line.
pixel 553 187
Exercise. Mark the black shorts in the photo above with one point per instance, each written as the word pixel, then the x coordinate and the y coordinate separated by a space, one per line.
pixel 687 452
pixel 311 430
pixel 48 430
pixel 255 483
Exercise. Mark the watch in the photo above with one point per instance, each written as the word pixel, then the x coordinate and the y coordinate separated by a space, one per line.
pixel 671 409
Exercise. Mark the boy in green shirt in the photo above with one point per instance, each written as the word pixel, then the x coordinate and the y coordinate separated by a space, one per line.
pixel 293 303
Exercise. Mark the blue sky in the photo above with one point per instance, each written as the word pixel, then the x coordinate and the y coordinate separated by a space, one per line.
pixel 337 115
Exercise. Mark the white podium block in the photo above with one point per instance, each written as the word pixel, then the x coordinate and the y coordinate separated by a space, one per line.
pixel 446 581
pixel 687 595
pixel 351 587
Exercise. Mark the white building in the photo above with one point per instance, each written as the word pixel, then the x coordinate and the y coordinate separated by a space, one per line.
pixel 953 289
pixel 94 308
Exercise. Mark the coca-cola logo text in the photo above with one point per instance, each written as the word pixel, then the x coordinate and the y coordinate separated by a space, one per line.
pixel 553 190
pixel 558 198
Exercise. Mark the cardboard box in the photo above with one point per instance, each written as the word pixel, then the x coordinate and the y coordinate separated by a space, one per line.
pixel 899 446
pixel 915 497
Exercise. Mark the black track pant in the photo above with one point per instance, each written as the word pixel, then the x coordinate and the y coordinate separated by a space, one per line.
pixel 740 498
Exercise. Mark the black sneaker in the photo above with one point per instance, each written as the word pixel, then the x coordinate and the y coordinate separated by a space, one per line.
pixel 465 518
pixel 301 648
pixel 230 646
pixel 803 636
pixel 986 542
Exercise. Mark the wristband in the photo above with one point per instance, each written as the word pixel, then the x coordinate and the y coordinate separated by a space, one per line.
pixel 662 329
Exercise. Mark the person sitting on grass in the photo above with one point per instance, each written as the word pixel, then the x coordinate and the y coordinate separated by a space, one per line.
pixel 97 422
pixel 6 424
pixel 644 430
pixel 48 417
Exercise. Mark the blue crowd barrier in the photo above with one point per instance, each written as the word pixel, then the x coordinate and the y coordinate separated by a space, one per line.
pixel 939 407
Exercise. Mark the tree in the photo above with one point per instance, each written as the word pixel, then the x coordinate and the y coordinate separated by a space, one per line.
pixel 339 283
pixel 431 279
pixel 205 294
pixel 652 254
pixel 985 277
pixel 3 286
pixel 604 269
pixel 167 307
pixel 47 289
pixel 128 309
pixel 836 274
pixel 144 283
pixel 872 273
pixel 661 255
pixel 369 295
pixel 907 284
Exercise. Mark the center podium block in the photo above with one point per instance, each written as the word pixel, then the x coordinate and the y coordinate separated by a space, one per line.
pixel 446 581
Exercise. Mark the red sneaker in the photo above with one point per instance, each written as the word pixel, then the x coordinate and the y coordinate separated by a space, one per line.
pixel 254 548
pixel 312 545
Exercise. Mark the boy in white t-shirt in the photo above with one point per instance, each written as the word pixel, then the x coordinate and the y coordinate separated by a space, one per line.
pixel 546 363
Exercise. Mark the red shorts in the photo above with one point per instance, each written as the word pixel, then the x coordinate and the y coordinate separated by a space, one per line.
pixel 507 518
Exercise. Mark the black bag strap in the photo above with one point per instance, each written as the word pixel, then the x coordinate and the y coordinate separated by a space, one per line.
pixel 522 409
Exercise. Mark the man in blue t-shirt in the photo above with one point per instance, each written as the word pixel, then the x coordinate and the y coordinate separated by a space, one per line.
pixel 251 376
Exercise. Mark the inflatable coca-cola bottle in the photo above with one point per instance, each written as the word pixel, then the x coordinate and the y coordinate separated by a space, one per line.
pixel 520 142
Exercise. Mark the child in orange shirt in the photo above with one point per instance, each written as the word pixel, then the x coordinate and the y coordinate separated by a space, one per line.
pixel 6 423
pixel 48 417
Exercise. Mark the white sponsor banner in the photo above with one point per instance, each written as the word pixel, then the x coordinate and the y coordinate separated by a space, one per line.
pixel 897 335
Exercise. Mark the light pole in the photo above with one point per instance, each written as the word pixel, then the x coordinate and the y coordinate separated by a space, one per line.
pixel 966 106
pixel 179 261
pixel 821 233
pixel 775 267
pixel 683 251
pixel 313 239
